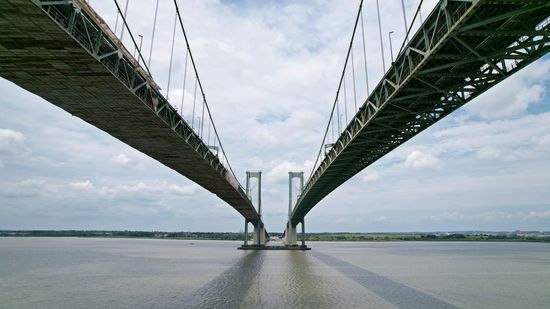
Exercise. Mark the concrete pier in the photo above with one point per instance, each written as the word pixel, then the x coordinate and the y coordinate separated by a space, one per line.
pixel 291 239
pixel 274 245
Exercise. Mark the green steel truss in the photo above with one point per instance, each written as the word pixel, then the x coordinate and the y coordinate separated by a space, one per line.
pixel 86 31
pixel 462 49
pixel 84 27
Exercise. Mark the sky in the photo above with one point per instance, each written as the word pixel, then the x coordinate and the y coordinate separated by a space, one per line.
pixel 270 71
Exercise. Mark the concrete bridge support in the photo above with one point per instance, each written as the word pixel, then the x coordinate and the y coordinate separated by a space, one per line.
pixel 303 234
pixel 259 235
pixel 245 236
pixel 291 236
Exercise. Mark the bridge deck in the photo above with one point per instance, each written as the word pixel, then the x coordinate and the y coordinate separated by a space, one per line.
pixel 70 58
pixel 462 49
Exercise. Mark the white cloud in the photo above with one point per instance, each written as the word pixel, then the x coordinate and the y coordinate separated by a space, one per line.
pixel 12 142
pixel 86 185
pixel 279 172
pixel 538 215
pixel 22 189
pixel 513 96
pixel 121 160
pixel 523 138
pixel 371 176
pixel 148 188
pixel 33 183
pixel 541 142
pixel 488 153
pixel 468 217
pixel 420 160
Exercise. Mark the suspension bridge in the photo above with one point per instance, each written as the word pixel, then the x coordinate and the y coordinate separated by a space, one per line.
pixel 460 50
pixel 63 51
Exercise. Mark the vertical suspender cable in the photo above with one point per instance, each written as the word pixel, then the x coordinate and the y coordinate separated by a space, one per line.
pixel 335 104
pixel 208 140
pixel 136 48
pixel 194 100
pixel 391 47
pixel 125 14
pixel 216 145
pixel 116 21
pixel 125 24
pixel 202 117
pixel 381 40
pixel 224 155
pixel 345 101
pixel 332 124
pixel 420 12
pixel 184 79
pixel 410 27
pixel 405 21
pixel 153 35
pixel 338 116
pixel 365 54
pixel 353 75
pixel 171 58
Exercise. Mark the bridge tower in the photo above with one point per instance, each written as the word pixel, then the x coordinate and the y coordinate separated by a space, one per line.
pixel 259 235
pixel 291 237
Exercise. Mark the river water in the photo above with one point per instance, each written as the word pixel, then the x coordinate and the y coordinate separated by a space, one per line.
pixel 136 273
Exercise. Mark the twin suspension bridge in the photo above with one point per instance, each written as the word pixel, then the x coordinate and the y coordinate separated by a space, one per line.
pixel 64 52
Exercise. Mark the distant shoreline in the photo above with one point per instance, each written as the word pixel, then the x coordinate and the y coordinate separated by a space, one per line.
pixel 528 236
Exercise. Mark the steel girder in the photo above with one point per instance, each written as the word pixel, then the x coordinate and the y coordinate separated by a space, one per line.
pixel 462 49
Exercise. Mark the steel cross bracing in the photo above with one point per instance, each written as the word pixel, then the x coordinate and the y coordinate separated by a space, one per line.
pixel 462 49
pixel 64 52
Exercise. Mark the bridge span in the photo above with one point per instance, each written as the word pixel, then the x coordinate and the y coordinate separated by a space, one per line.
pixel 65 53
pixel 62 51
pixel 461 50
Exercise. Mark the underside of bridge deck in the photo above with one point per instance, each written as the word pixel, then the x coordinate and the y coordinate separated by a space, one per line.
pixel 462 49
pixel 63 52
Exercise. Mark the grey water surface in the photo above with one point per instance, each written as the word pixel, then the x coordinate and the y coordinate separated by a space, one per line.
pixel 138 273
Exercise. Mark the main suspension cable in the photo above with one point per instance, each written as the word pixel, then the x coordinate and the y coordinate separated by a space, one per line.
pixel 334 105
pixel 410 27
pixel 132 37
pixel 224 156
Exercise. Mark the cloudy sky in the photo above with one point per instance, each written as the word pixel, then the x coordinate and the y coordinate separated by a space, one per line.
pixel 270 71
